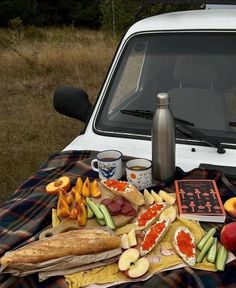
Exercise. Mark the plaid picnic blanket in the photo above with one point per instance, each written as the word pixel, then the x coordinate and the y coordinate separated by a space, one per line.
pixel 28 212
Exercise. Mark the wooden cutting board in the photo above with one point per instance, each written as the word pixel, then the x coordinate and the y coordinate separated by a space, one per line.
pixel 70 224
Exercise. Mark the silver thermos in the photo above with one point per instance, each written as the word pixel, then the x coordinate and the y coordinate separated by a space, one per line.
pixel 163 140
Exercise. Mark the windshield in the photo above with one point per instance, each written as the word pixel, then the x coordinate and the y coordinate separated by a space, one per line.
pixel 198 70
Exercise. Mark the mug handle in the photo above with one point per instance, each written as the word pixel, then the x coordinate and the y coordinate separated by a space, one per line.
pixel 93 166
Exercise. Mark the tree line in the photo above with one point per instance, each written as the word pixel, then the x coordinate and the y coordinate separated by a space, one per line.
pixel 109 14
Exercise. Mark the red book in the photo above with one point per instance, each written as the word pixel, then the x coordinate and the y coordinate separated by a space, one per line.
pixel 199 200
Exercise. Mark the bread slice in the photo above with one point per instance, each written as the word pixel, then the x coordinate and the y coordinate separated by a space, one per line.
pixel 124 189
pixel 149 216
pixel 75 242
pixel 184 245
pixel 154 235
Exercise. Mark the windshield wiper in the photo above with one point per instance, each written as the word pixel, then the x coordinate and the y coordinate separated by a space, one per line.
pixel 182 123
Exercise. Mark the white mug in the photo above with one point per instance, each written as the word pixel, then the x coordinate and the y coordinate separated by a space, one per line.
pixel 109 164
pixel 139 173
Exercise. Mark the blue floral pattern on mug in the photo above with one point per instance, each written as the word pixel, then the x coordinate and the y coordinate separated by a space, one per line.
pixel 107 170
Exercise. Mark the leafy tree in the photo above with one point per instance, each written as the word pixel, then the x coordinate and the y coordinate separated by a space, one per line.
pixel 87 13
pixel 113 15
pixel 118 15
pixel 67 12
pixel 23 9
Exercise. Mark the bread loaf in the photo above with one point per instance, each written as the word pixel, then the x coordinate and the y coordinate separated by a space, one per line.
pixel 124 189
pixel 75 242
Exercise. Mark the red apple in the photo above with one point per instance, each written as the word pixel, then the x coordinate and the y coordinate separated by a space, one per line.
pixel 228 236
pixel 131 264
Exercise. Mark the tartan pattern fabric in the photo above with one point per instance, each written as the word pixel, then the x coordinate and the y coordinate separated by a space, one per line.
pixel 28 212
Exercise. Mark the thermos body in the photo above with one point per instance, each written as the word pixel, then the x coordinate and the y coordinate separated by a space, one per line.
pixel 163 140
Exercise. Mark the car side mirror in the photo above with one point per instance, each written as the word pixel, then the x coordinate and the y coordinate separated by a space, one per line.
pixel 72 102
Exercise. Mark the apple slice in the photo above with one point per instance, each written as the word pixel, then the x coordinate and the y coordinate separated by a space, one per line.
pixel 169 212
pixel 139 268
pixel 156 197
pixel 167 197
pixel 131 264
pixel 127 258
pixel 132 238
pixel 124 242
pixel 148 197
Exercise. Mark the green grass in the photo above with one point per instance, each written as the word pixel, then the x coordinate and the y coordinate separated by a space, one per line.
pixel 33 62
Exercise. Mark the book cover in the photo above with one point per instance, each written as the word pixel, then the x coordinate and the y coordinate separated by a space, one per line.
pixel 199 200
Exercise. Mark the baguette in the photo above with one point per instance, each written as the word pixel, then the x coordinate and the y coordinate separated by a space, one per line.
pixel 124 189
pixel 154 235
pixel 184 245
pixel 149 216
pixel 75 242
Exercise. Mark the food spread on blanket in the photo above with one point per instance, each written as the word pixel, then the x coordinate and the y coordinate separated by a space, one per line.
pixel 152 226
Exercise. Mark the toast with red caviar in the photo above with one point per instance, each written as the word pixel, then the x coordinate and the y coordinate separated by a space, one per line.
pixel 154 235
pixel 149 216
pixel 184 245
pixel 124 189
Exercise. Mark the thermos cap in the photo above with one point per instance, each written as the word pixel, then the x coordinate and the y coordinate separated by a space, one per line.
pixel 163 98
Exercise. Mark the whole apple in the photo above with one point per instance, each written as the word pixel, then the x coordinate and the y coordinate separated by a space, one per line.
pixel 228 236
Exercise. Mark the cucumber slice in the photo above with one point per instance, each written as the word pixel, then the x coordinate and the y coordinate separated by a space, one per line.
pixel 221 258
pixel 205 238
pixel 211 255
pixel 95 209
pixel 107 217
pixel 101 222
pixel 90 213
pixel 205 249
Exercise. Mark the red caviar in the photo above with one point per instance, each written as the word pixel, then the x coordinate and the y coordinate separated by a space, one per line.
pixel 185 244
pixel 149 214
pixel 153 234
pixel 117 185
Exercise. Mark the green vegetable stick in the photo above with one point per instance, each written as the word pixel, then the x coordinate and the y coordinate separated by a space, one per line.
pixel 211 255
pixel 107 217
pixel 94 208
pixel 205 238
pixel 89 212
pixel 101 222
pixel 221 258
pixel 205 249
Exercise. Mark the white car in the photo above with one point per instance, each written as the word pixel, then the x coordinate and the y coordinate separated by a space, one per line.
pixel 192 56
